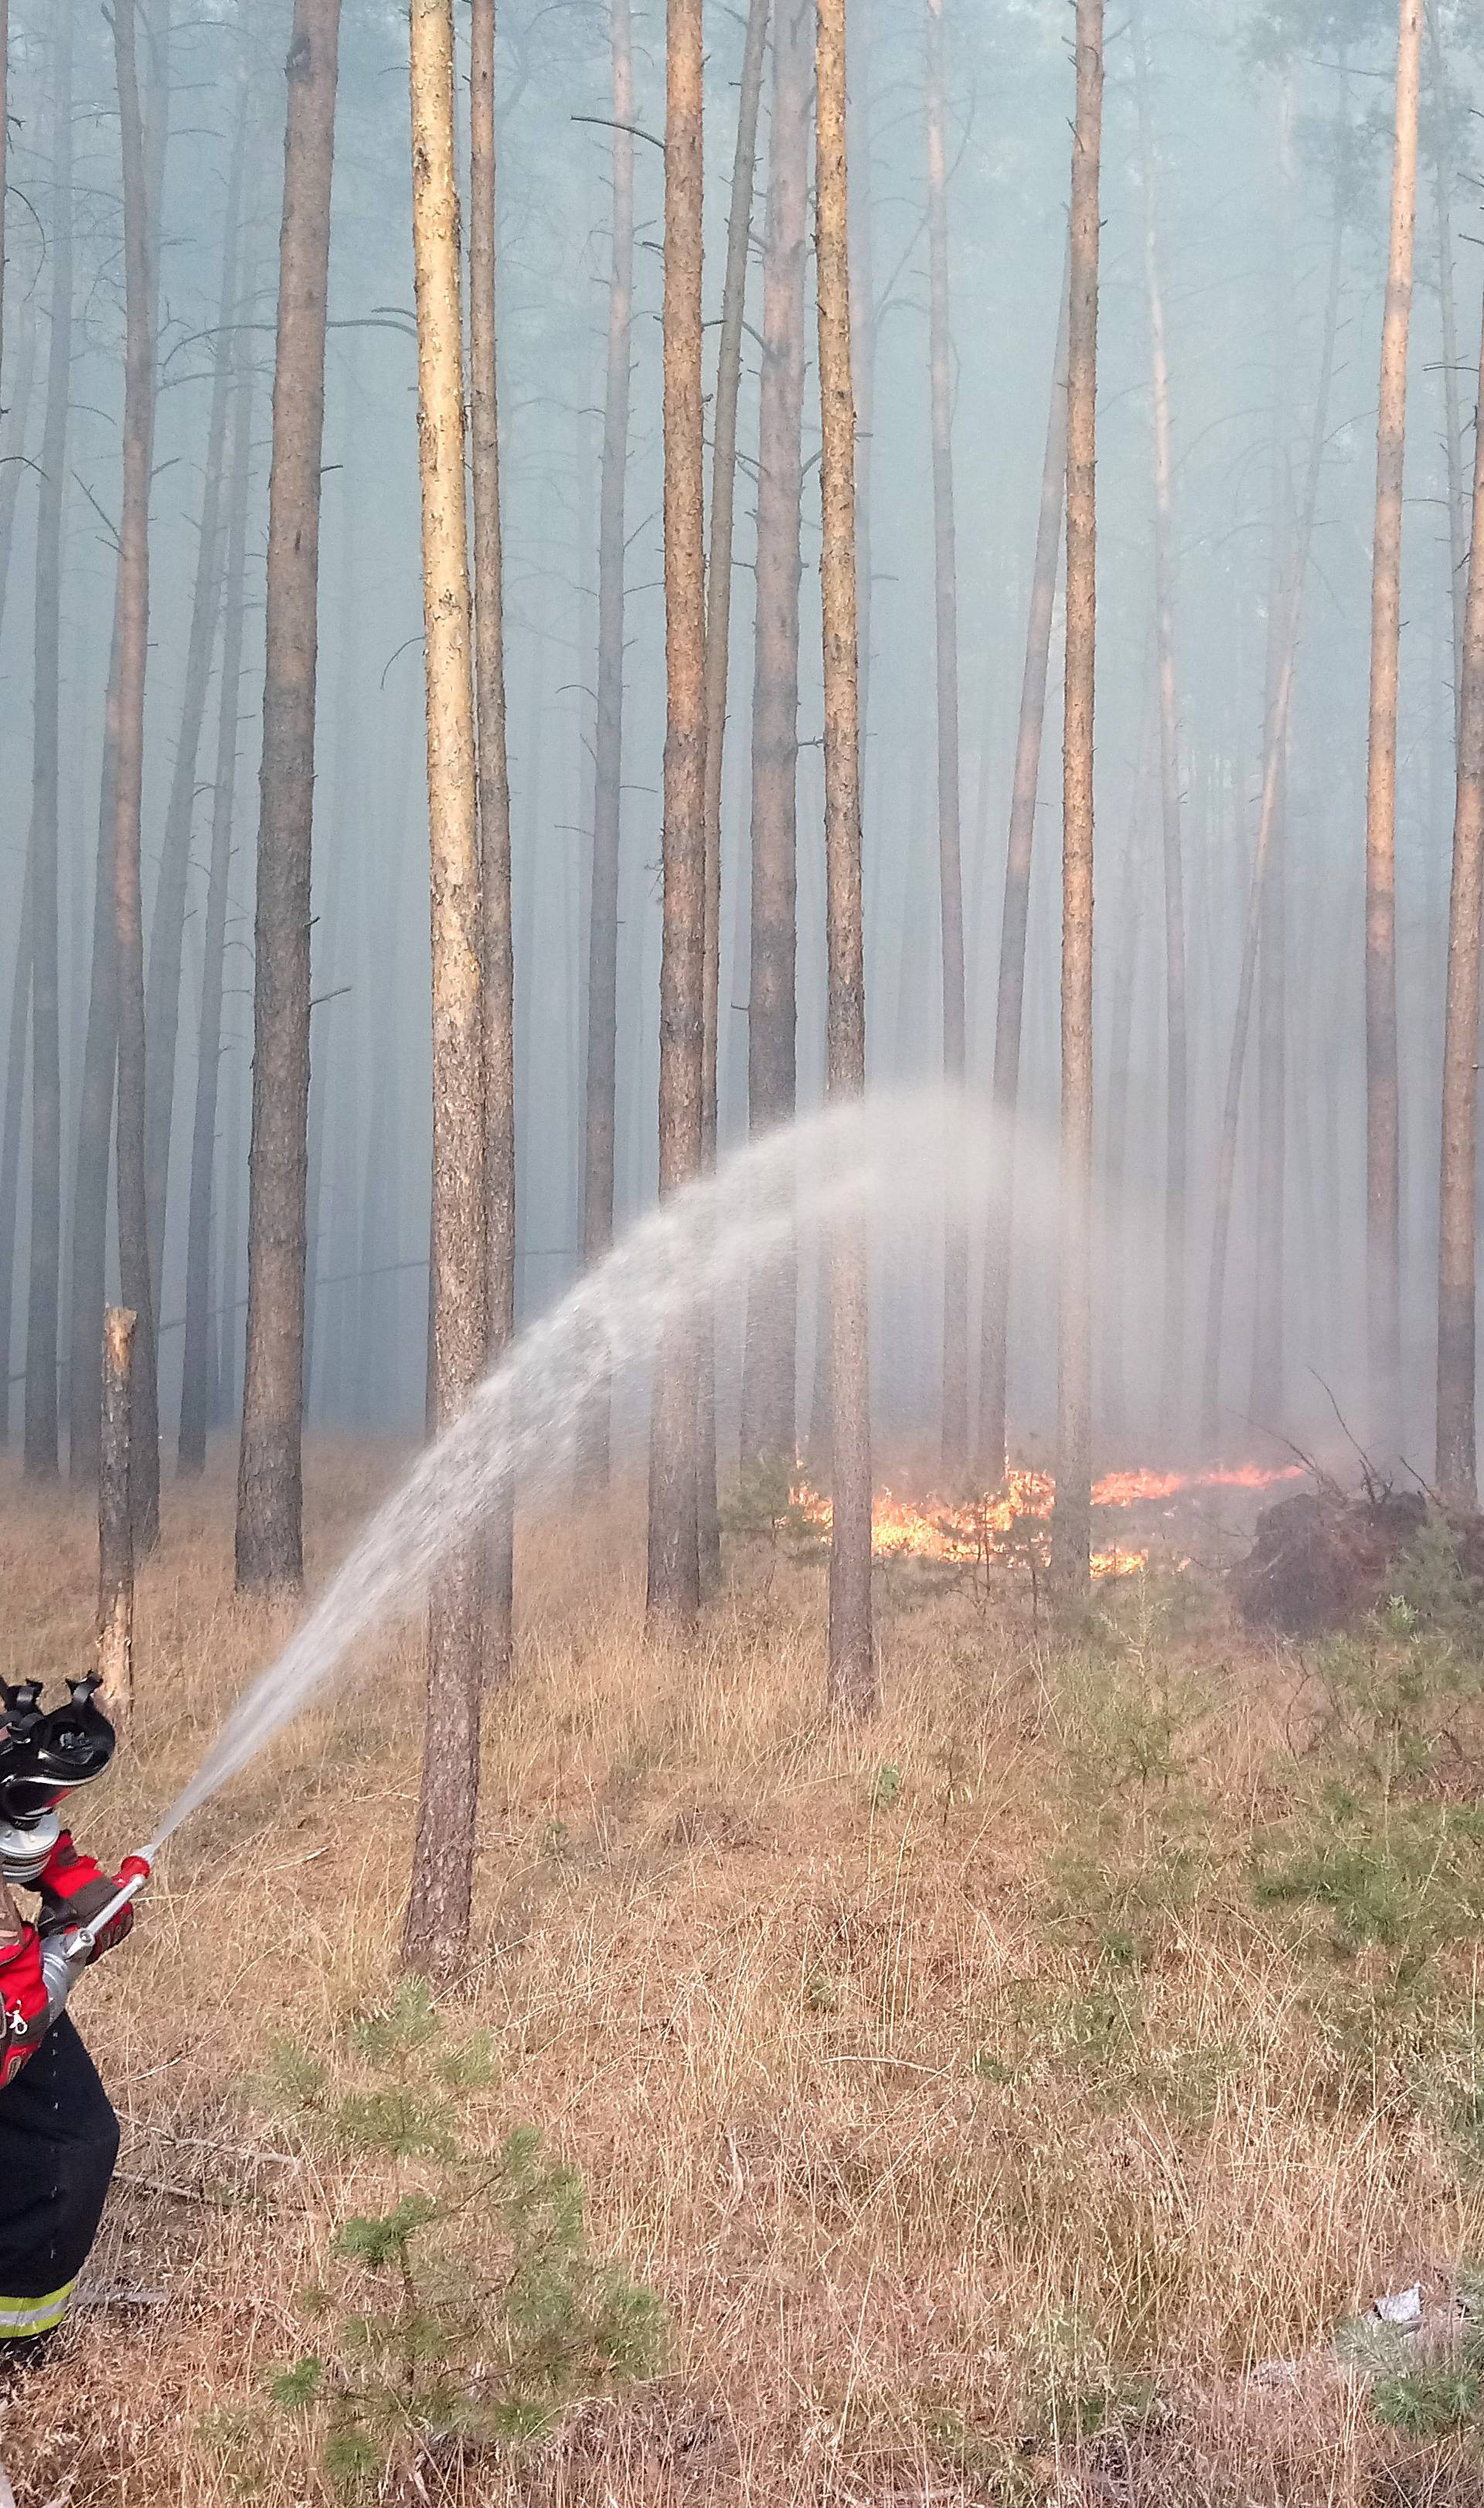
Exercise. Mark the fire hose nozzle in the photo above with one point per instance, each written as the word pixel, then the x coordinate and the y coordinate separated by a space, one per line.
pixel 83 1941
pixel 64 1956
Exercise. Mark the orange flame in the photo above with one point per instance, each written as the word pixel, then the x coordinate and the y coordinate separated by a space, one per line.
pixel 975 1535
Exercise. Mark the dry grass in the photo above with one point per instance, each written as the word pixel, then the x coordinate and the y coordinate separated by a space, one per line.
pixel 930 2101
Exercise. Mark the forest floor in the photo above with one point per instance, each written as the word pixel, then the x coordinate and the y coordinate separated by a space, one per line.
pixel 1023 2099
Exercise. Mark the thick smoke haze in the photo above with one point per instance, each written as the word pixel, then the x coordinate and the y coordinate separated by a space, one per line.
pixel 1266 125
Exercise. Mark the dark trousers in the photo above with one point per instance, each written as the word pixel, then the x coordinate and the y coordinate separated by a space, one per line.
pixel 58 2142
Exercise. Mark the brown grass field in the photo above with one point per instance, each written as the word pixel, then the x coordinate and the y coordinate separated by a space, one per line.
pixel 1006 2102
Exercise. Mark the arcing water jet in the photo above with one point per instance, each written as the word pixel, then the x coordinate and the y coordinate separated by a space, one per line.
pixel 523 1422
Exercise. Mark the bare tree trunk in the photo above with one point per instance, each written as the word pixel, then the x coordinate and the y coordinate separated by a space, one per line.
pixel 116 1518
pixel 864 335
pixel 601 1107
pixel 41 1414
pixel 493 791
pixel 853 1678
pixel 436 1932
pixel 1268 1400
pixel 1071 1522
pixel 1453 421
pixel 675 1573
pixel 128 742
pixel 10 1141
pixel 16 413
pixel 1382 1113
pixel 950 852
pixel 1177 1082
pixel 718 649
pixel 1010 1006
pixel 269 1535
pixel 1279 714
pixel 769 1391
pixel 195 1406
pixel 168 914
pixel 95 1108
pixel 1457 1472
pixel 5 84
pixel 1113 1390
pixel 94 1124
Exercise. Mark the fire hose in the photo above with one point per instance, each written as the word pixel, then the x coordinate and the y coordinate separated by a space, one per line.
pixel 46 1756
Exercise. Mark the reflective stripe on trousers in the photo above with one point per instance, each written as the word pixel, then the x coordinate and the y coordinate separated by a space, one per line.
pixel 19 2318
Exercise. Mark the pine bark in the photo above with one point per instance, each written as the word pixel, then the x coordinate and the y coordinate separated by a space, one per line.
pixel 127 744
pixel 675 1587
pixel 196 1388
pixel 17 1039
pixel 116 1517
pixel 1072 1522
pixel 94 1124
pixel 718 649
pixel 41 1349
pixel 95 1103
pixel 436 1932
pixel 950 849
pixel 1452 422
pixel 269 1531
pixel 1177 1051
pixel 493 791
pixel 853 1688
pixel 601 1108
pixel 168 917
pixel 1382 1111
pixel 1009 1017
pixel 769 1393
pixel 1457 1469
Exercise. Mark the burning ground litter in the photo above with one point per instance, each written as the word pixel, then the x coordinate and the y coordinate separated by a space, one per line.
pixel 1009 1526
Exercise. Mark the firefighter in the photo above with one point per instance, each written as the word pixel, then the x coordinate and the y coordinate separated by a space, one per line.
pixel 58 2134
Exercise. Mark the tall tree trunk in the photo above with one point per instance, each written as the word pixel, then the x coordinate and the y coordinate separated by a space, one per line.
pixel 95 1126
pixel 1009 1015
pixel 1071 1522
pixel 168 914
pixel 19 1028
pixel 864 327
pixel 1453 419
pixel 718 649
pixel 675 1587
pixel 196 1384
pixel 1113 1386
pixel 436 1932
pixel 950 853
pixel 600 1113
pixel 1457 1473
pixel 1268 1402
pixel 95 1107
pixel 1177 1082
pixel 852 1680
pixel 493 788
pixel 1280 716
pixel 769 1388
pixel 270 1533
pixel 864 339
pixel 41 1419
pixel 4 85
pixel 16 413
pixel 127 744
pixel 1383 1112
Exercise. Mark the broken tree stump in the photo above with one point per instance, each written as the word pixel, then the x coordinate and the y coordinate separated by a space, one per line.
pixel 116 1531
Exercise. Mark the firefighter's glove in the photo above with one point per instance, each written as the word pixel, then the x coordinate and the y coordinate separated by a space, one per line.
pixel 74 1889
pixel 24 2009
